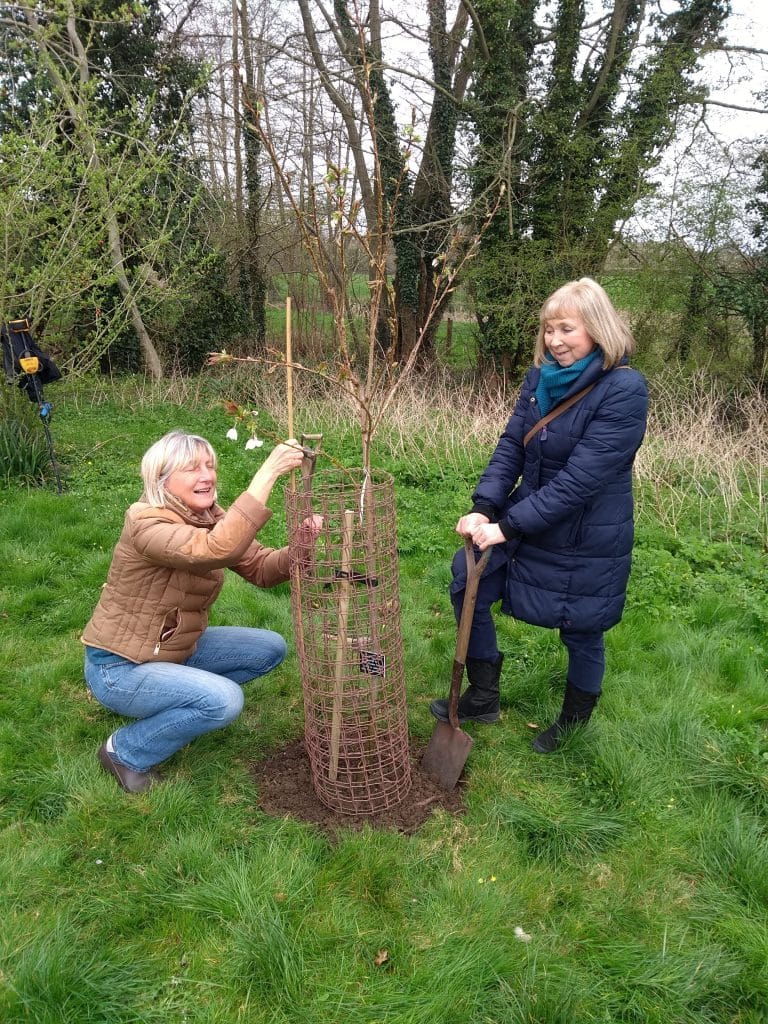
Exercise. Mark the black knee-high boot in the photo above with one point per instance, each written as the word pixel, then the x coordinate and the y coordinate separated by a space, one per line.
pixel 578 706
pixel 480 701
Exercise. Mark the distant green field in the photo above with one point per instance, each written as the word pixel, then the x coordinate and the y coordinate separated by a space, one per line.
pixel 313 326
pixel 639 291
pixel 633 290
pixel 653 301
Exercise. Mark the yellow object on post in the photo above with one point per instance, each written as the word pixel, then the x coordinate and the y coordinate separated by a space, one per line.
pixel 29 364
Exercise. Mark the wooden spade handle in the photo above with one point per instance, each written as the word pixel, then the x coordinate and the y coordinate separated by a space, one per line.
pixel 474 572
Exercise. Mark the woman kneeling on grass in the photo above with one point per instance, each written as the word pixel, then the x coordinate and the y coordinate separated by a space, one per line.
pixel 150 653
pixel 556 502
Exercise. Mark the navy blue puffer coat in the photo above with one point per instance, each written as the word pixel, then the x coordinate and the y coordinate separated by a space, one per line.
pixel 566 500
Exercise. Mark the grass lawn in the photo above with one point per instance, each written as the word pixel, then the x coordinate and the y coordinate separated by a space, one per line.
pixel 622 879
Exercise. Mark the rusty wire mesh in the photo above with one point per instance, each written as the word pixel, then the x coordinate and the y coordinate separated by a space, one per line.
pixel 346 611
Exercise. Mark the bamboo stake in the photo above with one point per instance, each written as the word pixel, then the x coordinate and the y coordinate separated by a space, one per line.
pixel 289 364
pixel 341 641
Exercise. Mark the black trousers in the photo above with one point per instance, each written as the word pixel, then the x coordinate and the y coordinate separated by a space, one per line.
pixel 586 650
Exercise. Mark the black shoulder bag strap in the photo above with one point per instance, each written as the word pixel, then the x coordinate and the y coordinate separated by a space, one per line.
pixel 562 408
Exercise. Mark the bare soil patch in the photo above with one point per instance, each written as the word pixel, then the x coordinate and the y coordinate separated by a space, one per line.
pixel 285 790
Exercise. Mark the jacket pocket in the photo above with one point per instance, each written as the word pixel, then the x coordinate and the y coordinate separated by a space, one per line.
pixel 577 530
pixel 168 629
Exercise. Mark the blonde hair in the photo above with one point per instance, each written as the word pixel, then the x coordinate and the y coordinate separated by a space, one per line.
pixel 586 299
pixel 173 451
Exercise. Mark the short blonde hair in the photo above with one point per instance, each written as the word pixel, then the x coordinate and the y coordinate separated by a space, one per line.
pixel 586 299
pixel 173 451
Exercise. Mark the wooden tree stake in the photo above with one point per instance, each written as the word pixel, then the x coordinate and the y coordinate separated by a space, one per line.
pixel 341 640
pixel 289 364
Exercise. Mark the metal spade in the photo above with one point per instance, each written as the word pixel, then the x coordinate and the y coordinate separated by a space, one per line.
pixel 449 746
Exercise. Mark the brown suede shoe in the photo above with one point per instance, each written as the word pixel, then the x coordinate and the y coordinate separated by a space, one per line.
pixel 131 781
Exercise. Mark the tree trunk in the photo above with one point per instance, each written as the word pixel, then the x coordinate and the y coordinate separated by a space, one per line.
pixel 419 212
pixel 252 255
pixel 431 210
pixel 759 347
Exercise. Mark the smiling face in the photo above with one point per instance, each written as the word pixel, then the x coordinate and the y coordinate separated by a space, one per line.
pixel 567 340
pixel 194 483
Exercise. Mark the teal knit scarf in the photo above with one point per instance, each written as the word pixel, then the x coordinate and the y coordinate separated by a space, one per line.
pixel 555 380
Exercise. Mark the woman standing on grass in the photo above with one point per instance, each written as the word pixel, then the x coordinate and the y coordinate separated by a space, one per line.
pixel 555 501
pixel 150 654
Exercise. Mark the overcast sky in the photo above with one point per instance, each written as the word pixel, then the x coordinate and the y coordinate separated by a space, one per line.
pixel 737 84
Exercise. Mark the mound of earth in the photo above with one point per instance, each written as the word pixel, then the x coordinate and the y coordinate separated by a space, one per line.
pixel 285 790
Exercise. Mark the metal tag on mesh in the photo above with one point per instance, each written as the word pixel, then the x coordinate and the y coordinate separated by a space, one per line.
pixel 372 663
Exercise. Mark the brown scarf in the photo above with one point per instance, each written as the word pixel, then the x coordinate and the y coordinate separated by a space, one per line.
pixel 207 517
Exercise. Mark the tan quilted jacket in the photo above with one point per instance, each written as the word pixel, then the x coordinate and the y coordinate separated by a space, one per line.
pixel 166 572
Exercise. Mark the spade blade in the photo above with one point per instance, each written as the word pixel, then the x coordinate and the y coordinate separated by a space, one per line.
pixel 446 755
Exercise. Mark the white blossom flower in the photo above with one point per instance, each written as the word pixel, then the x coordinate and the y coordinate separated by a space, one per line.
pixel 253 442
pixel 232 434
pixel 521 935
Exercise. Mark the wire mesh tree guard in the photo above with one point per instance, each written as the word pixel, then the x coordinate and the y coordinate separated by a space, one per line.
pixel 345 598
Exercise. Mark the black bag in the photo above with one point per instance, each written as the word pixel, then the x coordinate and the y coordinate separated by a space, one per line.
pixel 19 346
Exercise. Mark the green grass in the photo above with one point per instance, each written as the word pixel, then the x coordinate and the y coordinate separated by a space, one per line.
pixel 23 449
pixel 635 859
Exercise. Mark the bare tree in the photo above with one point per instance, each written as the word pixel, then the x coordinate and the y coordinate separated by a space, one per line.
pixel 74 93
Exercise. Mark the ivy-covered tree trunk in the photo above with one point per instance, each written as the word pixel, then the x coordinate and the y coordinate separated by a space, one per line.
pixel 756 288
pixel 391 189
pixel 742 284
pixel 431 208
pixel 702 322
pixel 759 332
pixel 252 261
pixel 508 274
pixel 572 116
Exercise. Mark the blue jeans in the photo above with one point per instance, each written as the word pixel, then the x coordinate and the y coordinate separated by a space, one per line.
pixel 586 650
pixel 175 703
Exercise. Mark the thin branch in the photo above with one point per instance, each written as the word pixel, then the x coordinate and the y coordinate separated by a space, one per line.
pixel 733 106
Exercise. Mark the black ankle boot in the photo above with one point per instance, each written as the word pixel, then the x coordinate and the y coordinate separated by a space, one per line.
pixel 480 701
pixel 578 706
